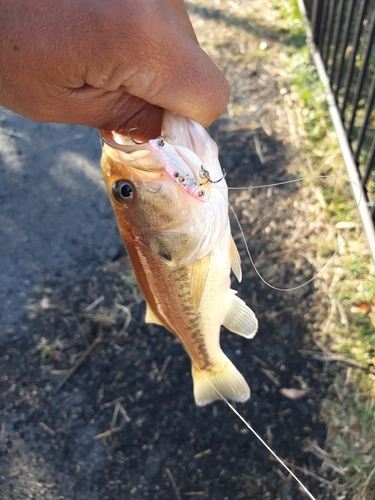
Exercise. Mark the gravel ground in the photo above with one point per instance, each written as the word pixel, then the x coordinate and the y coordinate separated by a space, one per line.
pixel 94 404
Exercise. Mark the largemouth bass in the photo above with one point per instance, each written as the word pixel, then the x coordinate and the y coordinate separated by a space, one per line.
pixel 170 199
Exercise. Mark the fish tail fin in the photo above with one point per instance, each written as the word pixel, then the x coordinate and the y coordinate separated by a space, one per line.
pixel 223 376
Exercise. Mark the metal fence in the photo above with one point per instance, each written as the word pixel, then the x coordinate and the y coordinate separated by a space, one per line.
pixel 343 36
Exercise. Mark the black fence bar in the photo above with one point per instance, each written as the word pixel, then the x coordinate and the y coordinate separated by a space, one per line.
pixel 335 40
pixel 353 52
pixel 370 162
pixel 322 21
pixel 328 33
pixel 343 46
pixel 363 74
pixel 316 19
pixel 365 121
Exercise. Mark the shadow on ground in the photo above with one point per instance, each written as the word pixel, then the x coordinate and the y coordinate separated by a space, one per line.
pixel 54 215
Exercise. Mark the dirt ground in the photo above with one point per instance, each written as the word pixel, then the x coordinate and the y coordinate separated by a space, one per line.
pixel 95 404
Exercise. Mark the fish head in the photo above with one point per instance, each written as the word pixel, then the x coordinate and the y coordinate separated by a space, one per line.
pixel 150 207
pixel 138 188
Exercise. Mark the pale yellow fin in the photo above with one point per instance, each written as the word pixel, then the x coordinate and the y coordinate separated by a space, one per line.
pixel 198 279
pixel 240 318
pixel 150 316
pixel 235 260
pixel 227 380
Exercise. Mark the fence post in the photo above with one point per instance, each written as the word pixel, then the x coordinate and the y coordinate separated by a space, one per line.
pixel 316 19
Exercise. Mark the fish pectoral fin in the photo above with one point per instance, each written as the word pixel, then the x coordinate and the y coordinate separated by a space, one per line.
pixel 240 318
pixel 224 377
pixel 198 279
pixel 151 317
pixel 235 260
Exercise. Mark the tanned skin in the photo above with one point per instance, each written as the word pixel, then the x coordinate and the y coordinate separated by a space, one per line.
pixel 110 64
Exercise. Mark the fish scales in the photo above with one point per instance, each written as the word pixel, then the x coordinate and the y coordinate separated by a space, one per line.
pixel 174 222
pixel 155 277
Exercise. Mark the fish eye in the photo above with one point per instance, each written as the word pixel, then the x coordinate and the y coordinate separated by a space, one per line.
pixel 123 191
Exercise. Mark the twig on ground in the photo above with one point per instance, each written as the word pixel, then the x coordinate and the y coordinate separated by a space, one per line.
pixel 115 401
pixel 367 482
pixel 173 483
pixel 307 472
pixel 125 416
pixel 114 416
pixel 258 148
pixel 127 311
pixel 47 429
pixel 80 328
pixel 332 357
pixel 85 354
pixel 203 453
pixel 108 433
pixel 270 376
pixel 163 368
pixel 96 302
pixel 125 420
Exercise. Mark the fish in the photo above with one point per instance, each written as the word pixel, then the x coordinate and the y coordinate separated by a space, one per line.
pixel 170 199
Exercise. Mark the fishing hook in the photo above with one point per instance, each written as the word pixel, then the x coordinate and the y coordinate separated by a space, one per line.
pixel 206 174
pixel 132 138
pixel 160 139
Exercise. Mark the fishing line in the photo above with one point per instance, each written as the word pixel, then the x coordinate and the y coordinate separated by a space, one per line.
pixel 238 414
pixel 279 289
pixel 254 432
pixel 274 184
pixel 262 441
pixel 299 482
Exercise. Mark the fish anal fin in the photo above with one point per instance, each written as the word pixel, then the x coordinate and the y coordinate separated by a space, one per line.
pixel 151 317
pixel 198 279
pixel 225 378
pixel 235 260
pixel 240 318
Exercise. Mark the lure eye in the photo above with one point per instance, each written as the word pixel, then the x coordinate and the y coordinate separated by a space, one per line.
pixel 123 191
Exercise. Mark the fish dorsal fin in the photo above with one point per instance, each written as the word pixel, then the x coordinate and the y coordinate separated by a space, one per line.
pixel 199 274
pixel 151 317
pixel 240 318
pixel 235 260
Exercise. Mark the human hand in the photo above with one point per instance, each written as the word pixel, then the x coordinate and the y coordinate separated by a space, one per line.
pixel 111 64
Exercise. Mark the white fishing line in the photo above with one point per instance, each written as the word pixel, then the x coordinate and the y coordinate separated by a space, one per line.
pixel 270 450
pixel 305 490
pixel 255 433
pixel 279 289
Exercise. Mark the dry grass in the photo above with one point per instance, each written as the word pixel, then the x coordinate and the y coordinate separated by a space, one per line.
pixel 326 222
pixel 348 334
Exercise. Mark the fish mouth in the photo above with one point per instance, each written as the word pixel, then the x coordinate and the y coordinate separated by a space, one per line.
pixel 135 155
pixel 121 142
